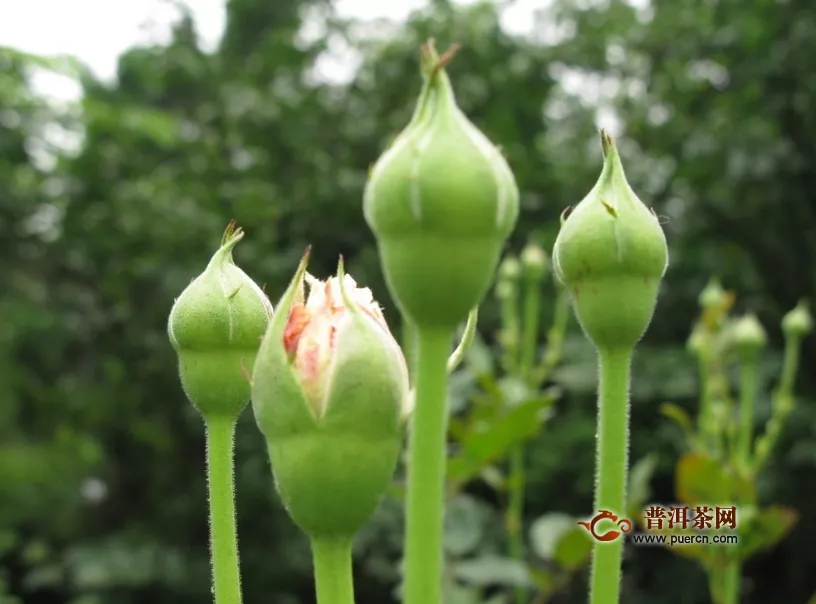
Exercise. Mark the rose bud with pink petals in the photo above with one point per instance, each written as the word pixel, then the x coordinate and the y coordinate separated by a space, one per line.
pixel 330 394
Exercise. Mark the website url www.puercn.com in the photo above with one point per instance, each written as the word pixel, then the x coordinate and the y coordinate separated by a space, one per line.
pixel 679 540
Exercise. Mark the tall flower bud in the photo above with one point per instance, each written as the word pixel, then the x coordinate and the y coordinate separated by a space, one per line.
pixel 330 394
pixel 798 322
pixel 215 326
pixel 611 253
pixel 441 202
pixel 749 336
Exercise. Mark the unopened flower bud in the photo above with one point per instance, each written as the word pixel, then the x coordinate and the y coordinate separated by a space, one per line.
pixel 748 336
pixel 330 395
pixel 798 322
pixel 534 262
pixel 713 295
pixel 611 254
pixel 509 270
pixel 441 202
pixel 215 326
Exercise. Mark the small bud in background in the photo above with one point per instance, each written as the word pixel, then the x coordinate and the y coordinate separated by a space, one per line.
pixel 713 295
pixel 330 395
pixel 611 254
pixel 798 322
pixel 509 270
pixel 215 326
pixel 748 336
pixel 441 202
pixel 534 262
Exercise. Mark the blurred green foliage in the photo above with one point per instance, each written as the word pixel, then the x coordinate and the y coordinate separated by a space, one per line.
pixel 102 491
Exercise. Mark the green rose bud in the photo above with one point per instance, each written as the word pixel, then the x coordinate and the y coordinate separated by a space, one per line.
pixel 611 254
pixel 797 323
pixel 441 202
pixel 748 336
pixel 215 326
pixel 330 395
pixel 509 270
pixel 713 295
pixel 534 261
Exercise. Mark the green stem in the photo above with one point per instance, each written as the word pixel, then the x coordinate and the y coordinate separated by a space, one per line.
pixel 790 365
pixel 332 570
pixel 782 402
pixel 706 420
pixel 223 533
pixel 515 513
pixel 612 468
pixel 510 327
pixel 426 471
pixel 531 320
pixel 748 390
pixel 514 516
pixel 555 337
pixel 731 582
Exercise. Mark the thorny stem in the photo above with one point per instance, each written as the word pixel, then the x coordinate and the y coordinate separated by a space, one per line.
pixel 223 532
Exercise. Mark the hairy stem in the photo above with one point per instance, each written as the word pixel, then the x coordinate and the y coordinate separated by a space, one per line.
pixel 612 453
pixel 223 532
pixel 332 570
pixel 426 471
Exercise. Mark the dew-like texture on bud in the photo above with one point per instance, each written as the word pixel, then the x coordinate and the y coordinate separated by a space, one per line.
pixel 611 254
pixel 441 202
pixel 215 326
pixel 748 335
pixel 330 395
pixel 798 322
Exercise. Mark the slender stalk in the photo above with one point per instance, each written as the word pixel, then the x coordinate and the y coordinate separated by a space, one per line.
pixel 782 401
pixel 748 392
pixel 426 471
pixel 514 515
pixel 223 532
pixel 706 419
pixel 612 468
pixel 790 365
pixel 555 336
pixel 531 320
pixel 332 570
pixel 731 583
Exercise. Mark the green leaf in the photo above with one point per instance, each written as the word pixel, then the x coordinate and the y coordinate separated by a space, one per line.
pixel 464 525
pixel 492 570
pixel 544 581
pixel 574 549
pixel 460 594
pixel 484 443
pixel 701 479
pixel 639 478
pixel 479 358
pixel 546 531
pixel 765 529
pixel 679 415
